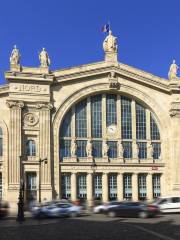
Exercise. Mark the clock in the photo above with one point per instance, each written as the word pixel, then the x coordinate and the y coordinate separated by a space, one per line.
pixel 112 129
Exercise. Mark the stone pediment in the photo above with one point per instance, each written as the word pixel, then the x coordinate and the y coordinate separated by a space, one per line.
pixel 105 68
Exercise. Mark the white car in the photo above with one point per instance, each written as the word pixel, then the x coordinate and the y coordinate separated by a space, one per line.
pixel 169 204
pixel 104 207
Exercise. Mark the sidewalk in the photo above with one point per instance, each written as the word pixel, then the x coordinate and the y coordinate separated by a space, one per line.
pixel 10 221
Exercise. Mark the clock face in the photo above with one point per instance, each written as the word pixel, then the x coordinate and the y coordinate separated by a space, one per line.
pixel 111 129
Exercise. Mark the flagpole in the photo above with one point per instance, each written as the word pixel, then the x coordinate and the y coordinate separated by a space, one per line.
pixel 109 25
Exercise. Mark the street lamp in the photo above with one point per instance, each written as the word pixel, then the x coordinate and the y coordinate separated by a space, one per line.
pixel 20 215
pixel 41 161
pixel 93 167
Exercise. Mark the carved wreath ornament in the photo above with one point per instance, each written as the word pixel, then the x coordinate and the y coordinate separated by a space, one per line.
pixel 30 119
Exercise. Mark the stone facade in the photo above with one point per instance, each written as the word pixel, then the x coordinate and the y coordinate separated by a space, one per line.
pixel 34 103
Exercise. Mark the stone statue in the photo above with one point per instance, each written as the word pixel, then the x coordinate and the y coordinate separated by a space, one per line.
pixel 73 148
pixel 173 70
pixel 89 148
pixel 150 150
pixel 44 58
pixel 135 150
pixel 120 149
pixel 15 56
pixel 105 149
pixel 110 43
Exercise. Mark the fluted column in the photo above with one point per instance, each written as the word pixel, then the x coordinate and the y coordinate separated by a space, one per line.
pixel 105 187
pixel 149 186
pixel 120 186
pixel 90 189
pixel 45 149
pixel 134 186
pixel 73 186
pixel 15 145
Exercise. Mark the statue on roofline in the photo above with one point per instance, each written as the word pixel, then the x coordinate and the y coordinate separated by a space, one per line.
pixel 110 43
pixel 15 56
pixel 172 74
pixel 44 58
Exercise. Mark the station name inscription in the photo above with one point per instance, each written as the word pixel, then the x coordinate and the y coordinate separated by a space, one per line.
pixel 29 88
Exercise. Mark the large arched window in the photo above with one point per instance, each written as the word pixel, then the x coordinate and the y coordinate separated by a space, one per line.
pixel 1 142
pixel 126 126
pixel 31 148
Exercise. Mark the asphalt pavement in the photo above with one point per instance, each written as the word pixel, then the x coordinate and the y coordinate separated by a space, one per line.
pixel 91 226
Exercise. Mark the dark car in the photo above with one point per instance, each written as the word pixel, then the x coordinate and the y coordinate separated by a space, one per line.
pixel 4 209
pixel 133 209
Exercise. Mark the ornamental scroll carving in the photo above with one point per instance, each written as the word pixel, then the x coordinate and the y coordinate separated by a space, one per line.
pixel 15 104
pixel 30 119
pixel 175 109
pixel 113 81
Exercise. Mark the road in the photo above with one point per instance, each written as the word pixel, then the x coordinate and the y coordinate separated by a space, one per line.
pixel 96 227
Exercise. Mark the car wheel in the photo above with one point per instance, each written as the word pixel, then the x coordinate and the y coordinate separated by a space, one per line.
pixel 112 214
pixel 143 215
pixel 73 214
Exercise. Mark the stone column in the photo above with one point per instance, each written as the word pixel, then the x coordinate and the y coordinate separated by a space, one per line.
pixel 15 150
pixel 134 144
pixel 73 186
pixel 149 186
pixel 104 116
pixel 15 141
pixel 120 186
pixel 45 149
pixel 90 189
pixel 135 187
pixel 105 187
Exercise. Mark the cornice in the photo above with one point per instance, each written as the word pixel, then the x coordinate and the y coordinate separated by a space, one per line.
pixel 4 89
pixel 102 68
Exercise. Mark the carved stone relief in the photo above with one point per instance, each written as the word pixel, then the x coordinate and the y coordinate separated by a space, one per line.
pixel 30 119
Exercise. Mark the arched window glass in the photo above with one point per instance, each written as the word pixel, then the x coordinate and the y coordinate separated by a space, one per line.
pixel 154 130
pixel 140 122
pixel 109 125
pixel 65 130
pixel 1 142
pixel 30 148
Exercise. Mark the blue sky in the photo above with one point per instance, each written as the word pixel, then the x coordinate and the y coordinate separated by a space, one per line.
pixel 148 32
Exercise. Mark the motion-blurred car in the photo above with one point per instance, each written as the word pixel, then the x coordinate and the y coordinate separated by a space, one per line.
pixel 4 209
pixel 56 209
pixel 133 209
pixel 102 208
pixel 168 204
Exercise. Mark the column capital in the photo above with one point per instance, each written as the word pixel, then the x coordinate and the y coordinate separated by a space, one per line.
pixel 15 104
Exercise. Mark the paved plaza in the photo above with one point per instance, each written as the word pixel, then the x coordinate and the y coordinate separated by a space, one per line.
pixel 94 227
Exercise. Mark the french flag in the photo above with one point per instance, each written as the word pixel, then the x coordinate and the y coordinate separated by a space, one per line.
pixel 105 28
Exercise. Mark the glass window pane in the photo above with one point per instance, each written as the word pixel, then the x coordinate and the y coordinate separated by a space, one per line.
pixel 65 130
pixel 0 185
pixel 31 148
pixel 81 148
pixel 127 186
pixel 126 121
pixel 96 116
pixel 97 148
pixel 156 150
pixel 155 135
pixel 111 113
pixel 142 150
pixel 65 148
pixel 127 146
pixel 142 186
pixel 113 186
pixel 81 119
pixel 112 153
pixel 156 185
pixel 98 186
pixel 140 122
pixel 82 186
pixel 66 185
pixel 1 146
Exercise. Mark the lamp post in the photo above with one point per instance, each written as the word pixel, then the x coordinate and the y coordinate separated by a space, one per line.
pixel 20 215
pixel 40 162
pixel 93 167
